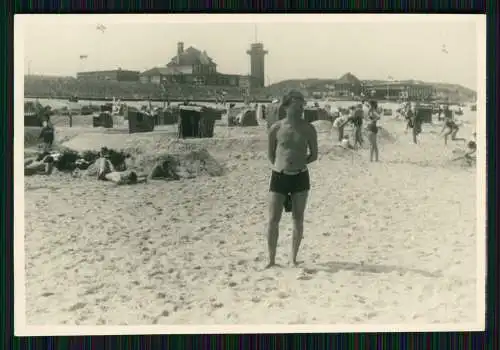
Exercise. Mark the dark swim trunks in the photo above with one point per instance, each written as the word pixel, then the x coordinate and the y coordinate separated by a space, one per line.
pixel 287 184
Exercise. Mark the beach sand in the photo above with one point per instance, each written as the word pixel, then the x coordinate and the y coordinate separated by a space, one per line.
pixel 389 242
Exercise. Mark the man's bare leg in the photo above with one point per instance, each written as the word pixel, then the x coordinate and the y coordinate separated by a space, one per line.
pixel 446 137
pixel 299 201
pixel 276 201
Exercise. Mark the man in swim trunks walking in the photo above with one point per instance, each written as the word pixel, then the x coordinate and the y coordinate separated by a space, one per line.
pixel 289 142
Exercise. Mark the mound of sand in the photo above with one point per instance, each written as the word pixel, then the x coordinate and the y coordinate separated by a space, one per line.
pixel 171 166
pixel 383 135
pixel 156 143
pixel 31 135
pixel 322 126
pixel 338 152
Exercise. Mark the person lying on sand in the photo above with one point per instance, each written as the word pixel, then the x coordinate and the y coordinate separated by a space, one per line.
pixel 43 164
pixel 289 142
pixel 107 172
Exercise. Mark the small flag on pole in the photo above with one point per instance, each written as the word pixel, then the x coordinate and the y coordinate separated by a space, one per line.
pixel 101 28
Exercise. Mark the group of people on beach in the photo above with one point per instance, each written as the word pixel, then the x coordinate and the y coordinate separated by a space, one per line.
pixel 357 116
pixel 293 144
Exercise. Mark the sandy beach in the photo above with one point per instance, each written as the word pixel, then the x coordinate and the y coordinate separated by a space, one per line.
pixel 385 243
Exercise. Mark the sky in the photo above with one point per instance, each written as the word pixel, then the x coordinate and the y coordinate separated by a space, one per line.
pixel 432 48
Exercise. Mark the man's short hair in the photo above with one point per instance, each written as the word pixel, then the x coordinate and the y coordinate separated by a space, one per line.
pixel 290 95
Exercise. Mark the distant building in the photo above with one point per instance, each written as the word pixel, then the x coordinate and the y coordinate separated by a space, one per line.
pixel 347 85
pixel 192 61
pixel 400 90
pixel 257 71
pixel 194 67
pixel 113 75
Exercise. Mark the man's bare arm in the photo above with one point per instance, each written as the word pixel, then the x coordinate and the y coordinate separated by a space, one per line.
pixel 313 144
pixel 272 142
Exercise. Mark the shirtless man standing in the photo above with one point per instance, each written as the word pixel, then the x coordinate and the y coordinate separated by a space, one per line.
pixel 289 141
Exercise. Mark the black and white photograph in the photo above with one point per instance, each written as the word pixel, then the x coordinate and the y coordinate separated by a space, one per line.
pixel 249 173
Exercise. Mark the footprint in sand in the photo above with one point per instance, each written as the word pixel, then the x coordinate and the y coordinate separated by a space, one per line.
pixel 93 290
pixel 217 305
pixel 77 306
pixel 283 295
pixel 307 274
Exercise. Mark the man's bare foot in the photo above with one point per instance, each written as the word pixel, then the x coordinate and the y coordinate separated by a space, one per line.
pixel 296 263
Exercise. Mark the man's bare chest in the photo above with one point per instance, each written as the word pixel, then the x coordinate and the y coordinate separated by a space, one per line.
pixel 289 136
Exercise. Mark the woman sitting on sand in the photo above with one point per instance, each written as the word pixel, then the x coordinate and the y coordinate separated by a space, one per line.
pixel 471 148
pixel 106 171
pixel 372 128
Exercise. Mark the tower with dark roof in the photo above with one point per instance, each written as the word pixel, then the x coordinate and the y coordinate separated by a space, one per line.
pixel 257 72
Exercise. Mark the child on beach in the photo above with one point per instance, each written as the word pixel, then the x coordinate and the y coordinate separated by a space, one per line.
pixel 47 135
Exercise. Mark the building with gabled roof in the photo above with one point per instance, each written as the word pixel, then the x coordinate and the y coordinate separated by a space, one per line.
pixel 347 85
pixel 192 60
pixel 194 67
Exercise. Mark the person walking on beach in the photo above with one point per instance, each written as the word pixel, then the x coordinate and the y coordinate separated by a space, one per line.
pixel 409 117
pixel 451 128
pixel 293 144
pixel 372 128
pixel 47 135
pixel 417 123
pixel 357 121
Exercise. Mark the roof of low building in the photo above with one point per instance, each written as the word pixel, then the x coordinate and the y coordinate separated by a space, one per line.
pixel 191 56
pixel 156 71
pixel 108 71
pixel 348 78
